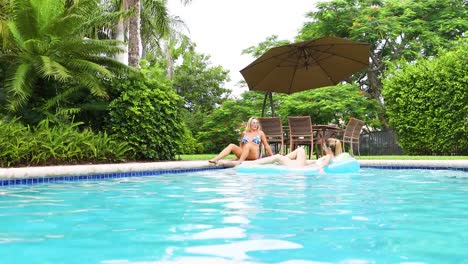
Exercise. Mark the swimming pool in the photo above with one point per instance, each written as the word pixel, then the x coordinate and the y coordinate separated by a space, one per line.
pixel 383 216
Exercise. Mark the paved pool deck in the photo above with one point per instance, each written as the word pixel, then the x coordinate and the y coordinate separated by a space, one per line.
pixel 135 169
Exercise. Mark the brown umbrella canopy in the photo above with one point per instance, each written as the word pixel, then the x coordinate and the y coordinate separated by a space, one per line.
pixel 306 65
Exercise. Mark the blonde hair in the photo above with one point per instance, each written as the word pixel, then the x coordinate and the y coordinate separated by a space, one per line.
pixel 337 144
pixel 249 124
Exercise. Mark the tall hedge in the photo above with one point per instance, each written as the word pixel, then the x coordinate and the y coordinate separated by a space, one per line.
pixel 427 103
pixel 146 116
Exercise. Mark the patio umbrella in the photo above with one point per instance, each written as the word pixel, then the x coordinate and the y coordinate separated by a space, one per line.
pixel 306 65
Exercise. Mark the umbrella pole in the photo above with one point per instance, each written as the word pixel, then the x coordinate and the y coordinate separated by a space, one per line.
pixel 271 104
pixel 264 103
pixel 268 94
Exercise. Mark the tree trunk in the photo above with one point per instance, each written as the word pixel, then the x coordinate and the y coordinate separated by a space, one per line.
pixel 134 33
pixel 375 91
pixel 120 35
pixel 375 84
pixel 170 61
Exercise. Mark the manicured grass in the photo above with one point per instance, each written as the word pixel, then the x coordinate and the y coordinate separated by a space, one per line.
pixel 402 157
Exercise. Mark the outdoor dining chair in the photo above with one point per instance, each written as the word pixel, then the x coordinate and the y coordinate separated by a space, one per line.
pixel 324 132
pixel 301 133
pixel 274 133
pixel 352 133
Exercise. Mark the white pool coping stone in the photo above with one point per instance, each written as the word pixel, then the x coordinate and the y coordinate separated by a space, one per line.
pixel 77 170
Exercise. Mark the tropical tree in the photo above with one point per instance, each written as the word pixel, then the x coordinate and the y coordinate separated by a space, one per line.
pixel 50 57
pixel 201 86
pixel 395 29
pixel 148 23
pixel 335 104
pixel 199 83
pixel 270 42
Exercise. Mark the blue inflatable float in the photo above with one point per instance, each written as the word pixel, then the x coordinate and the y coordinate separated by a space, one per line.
pixel 343 164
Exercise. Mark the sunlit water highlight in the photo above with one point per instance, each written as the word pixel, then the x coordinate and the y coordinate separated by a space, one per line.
pixel 376 216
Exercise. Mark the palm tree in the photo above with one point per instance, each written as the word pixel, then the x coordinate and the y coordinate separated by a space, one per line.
pixel 51 58
pixel 150 21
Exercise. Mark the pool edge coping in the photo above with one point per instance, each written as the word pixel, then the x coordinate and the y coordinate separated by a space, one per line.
pixel 79 170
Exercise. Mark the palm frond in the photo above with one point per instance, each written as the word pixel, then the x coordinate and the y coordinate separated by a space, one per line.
pixel 155 19
pixel 47 11
pixel 51 69
pixel 60 97
pixel 93 84
pixel 88 66
pixel 85 47
pixel 35 46
pixel 70 111
pixel 18 86
pixel 4 33
pixel 107 20
pixel 23 20
pixel 115 66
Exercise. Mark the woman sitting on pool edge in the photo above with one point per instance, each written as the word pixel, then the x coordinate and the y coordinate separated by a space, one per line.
pixel 298 158
pixel 249 145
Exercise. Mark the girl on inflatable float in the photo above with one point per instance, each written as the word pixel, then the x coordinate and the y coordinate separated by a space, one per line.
pixel 298 158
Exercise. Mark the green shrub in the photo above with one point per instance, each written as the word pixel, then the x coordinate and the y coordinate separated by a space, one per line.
pixel 190 144
pixel 15 146
pixel 146 115
pixel 225 124
pixel 427 103
pixel 50 144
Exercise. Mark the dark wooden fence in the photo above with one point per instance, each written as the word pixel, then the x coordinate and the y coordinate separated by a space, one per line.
pixel 379 143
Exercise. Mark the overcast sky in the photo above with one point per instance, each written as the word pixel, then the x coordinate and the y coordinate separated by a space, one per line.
pixel 223 28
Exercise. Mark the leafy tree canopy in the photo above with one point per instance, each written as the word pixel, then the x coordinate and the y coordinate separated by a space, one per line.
pixel 199 83
pixel 395 29
pixel 335 104
pixel 262 47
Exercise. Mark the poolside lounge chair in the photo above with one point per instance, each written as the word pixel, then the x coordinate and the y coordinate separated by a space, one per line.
pixel 300 132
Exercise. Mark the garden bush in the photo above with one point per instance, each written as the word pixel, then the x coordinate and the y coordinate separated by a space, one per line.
pixel 146 115
pixel 427 103
pixel 52 144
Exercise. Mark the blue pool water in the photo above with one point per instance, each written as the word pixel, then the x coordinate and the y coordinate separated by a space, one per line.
pixel 376 216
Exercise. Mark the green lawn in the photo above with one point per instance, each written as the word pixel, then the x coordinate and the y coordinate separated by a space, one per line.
pixel 402 157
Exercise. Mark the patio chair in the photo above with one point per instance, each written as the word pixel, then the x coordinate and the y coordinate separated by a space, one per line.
pixel 352 133
pixel 324 132
pixel 274 133
pixel 300 132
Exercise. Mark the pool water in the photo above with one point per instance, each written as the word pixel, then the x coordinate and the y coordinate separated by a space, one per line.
pixel 376 216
